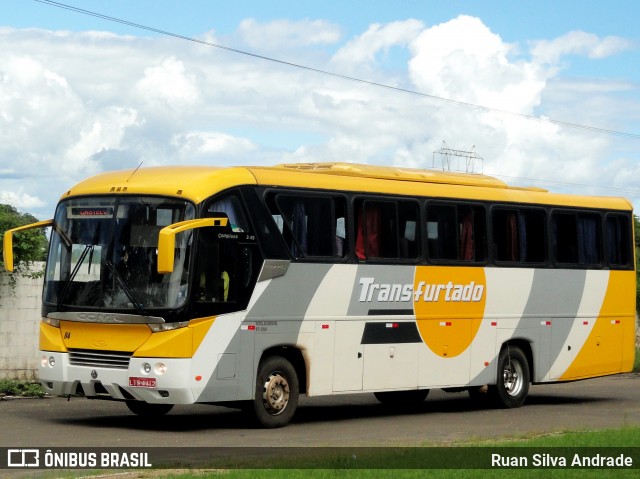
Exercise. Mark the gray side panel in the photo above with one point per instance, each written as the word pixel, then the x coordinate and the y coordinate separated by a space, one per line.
pixel 289 296
pixel 400 275
pixel 555 296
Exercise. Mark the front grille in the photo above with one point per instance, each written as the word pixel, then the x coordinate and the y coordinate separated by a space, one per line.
pixel 99 359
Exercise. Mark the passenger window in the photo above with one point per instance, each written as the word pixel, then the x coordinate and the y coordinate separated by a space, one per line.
pixel 618 241
pixel 312 226
pixel 519 235
pixel 386 229
pixel 577 238
pixel 456 232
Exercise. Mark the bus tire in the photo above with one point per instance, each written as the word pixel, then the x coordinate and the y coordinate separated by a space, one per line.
pixel 146 409
pixel 512 385
pixel 277 392
pixel 396 398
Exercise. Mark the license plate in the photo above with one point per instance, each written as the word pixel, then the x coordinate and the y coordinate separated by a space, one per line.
pixel 142 382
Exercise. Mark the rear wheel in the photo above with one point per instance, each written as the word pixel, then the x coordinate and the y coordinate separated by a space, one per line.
pixel 146 409
pixel 412 397
pixel 512 385
pixel 277 392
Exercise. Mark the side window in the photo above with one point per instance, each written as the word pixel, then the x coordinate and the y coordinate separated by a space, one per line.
pixel 228 259
pixel 386 229
pixel 533 240
pixel 409 232
pixel 312 226
pixel 577 238
pixel 231 208
pixel 456 232
pixel 618 234
pixel 519 235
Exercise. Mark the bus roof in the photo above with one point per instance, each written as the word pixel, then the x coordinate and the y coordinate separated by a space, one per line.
pixel 196 183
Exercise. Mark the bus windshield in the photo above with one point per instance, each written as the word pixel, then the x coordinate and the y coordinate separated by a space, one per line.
pixel 103 254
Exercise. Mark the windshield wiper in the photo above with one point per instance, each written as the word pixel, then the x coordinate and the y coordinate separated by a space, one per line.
pixel 125 287
pixel 63 236
pixel 73 274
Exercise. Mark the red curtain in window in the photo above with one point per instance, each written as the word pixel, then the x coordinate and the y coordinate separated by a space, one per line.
pixel 466 237
pixel 368 235
pixel 512 237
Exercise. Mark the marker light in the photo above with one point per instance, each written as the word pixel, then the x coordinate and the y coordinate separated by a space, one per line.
pixel 158 328
pixel 146 368
pixel 52 362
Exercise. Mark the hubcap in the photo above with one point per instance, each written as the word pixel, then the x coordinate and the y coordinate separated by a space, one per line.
pixel 512 375
pixel 275 395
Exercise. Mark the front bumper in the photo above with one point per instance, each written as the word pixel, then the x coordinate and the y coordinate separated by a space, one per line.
pixel 61 378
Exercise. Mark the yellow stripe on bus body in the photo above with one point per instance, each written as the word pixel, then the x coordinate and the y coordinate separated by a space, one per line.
pixel 178 343
pixel 448 327
pixel 137 338
pixel 610 347
pixel 104 337
pixel 51 339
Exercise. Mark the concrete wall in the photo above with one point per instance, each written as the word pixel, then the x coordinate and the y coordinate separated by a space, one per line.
pixel 19 324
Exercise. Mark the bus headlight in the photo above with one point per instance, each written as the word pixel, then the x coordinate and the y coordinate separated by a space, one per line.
pixel 47 361
pixel 160 368
pixel 145 368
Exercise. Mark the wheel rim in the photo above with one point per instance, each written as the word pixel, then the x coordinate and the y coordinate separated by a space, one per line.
pixel 275 396
pixel 513 378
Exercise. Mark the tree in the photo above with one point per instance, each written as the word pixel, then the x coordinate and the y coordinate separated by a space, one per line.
pixel 636 227
pixel 28 246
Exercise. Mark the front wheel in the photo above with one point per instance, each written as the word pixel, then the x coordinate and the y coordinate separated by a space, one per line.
pixel 277 392
pixel 512 385
pixel 146 409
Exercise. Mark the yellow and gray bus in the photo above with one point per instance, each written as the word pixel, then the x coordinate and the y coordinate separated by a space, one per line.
pixel 251 286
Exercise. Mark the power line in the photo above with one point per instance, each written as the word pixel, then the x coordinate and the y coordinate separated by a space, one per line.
pixel 566 124
pixel 633 191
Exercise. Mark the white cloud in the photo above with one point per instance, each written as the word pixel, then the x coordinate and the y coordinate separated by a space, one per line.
pixel 197 146
pixel 104 132
pixel 20 200
pixel 463 60
pixel 72 104
pixel 168 84
pixel 578 43
pixel 287 35
pixel 363 49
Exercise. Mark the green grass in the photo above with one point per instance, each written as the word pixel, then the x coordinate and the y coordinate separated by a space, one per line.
pixel 14 387
pixel 375 463
pixel 636 364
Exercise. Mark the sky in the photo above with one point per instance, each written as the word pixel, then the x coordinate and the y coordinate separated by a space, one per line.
pixel 547 93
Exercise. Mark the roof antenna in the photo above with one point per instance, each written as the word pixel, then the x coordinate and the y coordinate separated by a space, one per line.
pixel 134 171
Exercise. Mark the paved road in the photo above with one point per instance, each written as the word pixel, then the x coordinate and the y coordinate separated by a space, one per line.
pixel 353 420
